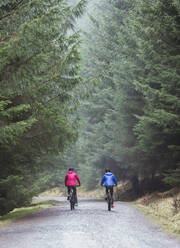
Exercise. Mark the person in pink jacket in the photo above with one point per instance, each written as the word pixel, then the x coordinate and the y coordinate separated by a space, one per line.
pixel 70 182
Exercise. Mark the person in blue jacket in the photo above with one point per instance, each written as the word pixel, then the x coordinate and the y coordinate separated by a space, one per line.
pixel 109 181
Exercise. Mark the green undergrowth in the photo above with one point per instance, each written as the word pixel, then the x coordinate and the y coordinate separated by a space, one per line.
pixel 163 208
pixel 18 213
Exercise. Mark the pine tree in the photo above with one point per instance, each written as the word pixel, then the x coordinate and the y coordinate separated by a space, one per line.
pixel 132 117
pixel 158 41
pixel 39 65
pixel 114 102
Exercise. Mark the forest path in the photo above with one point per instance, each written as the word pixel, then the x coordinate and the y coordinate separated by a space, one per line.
pixel 90 225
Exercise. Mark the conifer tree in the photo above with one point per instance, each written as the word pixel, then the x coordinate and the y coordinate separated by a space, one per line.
pixel 132 117
pixel 39 64
pixel 115 102
pixel 158 41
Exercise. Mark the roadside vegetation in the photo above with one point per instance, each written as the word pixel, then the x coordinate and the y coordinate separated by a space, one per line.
pixel 18 213
pixel 163 208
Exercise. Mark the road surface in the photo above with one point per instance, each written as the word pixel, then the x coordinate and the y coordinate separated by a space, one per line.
pixel 89 226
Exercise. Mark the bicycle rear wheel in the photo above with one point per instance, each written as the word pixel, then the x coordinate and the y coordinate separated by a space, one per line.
pixel 72 205
pixel 109 200
pixel 72 199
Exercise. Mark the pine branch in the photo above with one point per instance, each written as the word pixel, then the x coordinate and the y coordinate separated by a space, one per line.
pixel 18 65
pixel 13 8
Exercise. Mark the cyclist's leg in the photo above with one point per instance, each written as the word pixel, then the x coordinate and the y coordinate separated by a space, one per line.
pixel 106 194
pixel 68 189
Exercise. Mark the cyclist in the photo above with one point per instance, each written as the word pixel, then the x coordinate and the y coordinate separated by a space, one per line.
pixel 109 181
pixel 70 182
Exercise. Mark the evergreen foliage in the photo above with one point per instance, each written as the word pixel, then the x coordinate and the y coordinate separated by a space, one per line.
pixel 39 65
pixel 131 119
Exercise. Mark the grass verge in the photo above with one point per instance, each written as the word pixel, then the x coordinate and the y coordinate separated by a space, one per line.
pixel 161 208
pixel 18 213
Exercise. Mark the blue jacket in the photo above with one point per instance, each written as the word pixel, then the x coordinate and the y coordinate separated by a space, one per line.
pixel 108 179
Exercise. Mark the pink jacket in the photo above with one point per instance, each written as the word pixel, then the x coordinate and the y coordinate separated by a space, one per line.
pixel 70 179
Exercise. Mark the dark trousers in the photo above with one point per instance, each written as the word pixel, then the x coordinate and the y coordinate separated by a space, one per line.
pixel 75 191
pixel 111 191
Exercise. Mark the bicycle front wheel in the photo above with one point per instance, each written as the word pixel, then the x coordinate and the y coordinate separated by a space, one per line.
pixel 72 201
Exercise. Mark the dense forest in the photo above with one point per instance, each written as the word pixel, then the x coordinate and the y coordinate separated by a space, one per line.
pixel 131 55
pixel 105 97
pixel 39 67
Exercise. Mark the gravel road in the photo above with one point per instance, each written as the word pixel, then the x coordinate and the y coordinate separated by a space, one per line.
pixel 89 226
